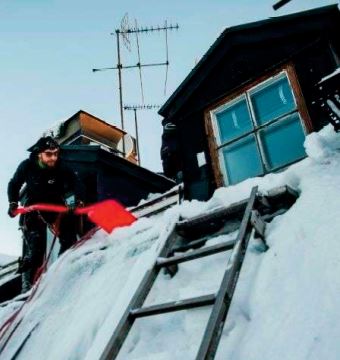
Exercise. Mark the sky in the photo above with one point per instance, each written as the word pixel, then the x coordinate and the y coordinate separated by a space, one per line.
pixel 48 49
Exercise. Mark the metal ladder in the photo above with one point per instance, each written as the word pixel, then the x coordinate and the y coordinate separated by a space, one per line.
pixel 249 218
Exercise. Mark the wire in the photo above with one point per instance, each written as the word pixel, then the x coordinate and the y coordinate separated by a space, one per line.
pixel 139 65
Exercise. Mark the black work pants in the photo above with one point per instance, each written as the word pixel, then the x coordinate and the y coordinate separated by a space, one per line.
pixel 34 227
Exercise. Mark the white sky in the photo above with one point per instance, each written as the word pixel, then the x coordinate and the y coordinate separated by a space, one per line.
pixel 47 51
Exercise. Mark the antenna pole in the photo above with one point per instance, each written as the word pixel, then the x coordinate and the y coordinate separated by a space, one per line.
pixel 137 138
pixel 124 32
pixel 119 66
pixel 135 108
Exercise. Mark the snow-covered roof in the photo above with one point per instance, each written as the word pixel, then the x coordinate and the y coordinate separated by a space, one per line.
pixel 6 259
pixel 286 300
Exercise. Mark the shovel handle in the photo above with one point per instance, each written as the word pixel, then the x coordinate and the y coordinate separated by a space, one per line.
pixel 107 214
pixel 84 210
pixel 41 207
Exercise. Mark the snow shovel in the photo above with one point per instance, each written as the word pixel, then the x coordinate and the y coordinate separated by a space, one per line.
pixel 107 214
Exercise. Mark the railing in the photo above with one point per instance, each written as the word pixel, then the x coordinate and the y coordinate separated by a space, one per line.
pixel 159 203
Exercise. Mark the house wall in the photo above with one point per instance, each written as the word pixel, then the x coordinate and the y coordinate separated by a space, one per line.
pixel 311 67
pixel 108 176
pixel 312 56
pixel 118 185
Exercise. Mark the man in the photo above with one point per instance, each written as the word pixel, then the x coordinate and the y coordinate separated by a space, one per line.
pixel 48 180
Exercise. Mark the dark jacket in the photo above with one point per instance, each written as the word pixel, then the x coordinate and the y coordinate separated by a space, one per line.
pixel 44 185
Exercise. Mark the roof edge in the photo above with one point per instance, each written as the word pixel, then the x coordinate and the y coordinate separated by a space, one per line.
pixel 320 10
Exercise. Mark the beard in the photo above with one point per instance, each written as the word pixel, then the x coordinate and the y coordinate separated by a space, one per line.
pixel 51 163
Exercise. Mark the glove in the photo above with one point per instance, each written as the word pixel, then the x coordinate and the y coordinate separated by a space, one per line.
pixel 72 206
pixel 80 203
pixel 11 209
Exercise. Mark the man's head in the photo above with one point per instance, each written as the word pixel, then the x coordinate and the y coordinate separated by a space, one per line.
pixel 47 151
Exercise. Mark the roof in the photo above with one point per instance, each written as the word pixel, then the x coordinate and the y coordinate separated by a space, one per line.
pixel 93 116
pixel 103 125
pixel 94 153
pixel 244 29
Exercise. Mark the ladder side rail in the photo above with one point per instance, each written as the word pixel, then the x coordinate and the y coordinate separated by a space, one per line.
pixel 122 330
pixel 221 307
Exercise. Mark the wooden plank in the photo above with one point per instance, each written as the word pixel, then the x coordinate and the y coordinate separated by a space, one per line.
pixel 172 193
pixel 196 254
pixel 212 144
pixel 122 330
pixel 258 224
pixel 282 197
pixel 220 309
pixel 276 198
pixel 236 209
pixel 300 100
pixel 229 226
pixel 174 306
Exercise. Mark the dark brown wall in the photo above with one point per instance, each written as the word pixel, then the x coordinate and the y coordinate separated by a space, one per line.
pixel 312 53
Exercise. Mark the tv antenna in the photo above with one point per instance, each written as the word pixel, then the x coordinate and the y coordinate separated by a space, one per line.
pixel 134 108
pixel 124 33
pixel 280 3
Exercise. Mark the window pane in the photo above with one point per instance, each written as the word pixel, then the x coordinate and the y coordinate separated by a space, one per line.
pixel 233 121
pixel 242 160
pixel 273 101
pixel 283 141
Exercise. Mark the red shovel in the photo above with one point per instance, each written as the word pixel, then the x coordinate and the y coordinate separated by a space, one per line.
pixel 108 214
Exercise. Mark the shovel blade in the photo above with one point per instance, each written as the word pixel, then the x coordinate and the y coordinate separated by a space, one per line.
pixel 108 215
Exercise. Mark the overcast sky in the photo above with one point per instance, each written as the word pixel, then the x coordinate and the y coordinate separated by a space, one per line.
pixel 47 51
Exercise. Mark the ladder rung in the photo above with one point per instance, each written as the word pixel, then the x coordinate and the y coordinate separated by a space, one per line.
pixel 235 209
pixel 194 244
pixel 214 249
pixel 174 306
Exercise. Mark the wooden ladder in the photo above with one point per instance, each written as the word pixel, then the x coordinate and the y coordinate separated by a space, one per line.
pixel 221 300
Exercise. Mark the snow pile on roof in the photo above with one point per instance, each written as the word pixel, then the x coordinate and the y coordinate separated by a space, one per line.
pixel 285 305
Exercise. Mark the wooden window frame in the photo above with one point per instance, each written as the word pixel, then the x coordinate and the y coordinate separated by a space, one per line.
pixel 301 109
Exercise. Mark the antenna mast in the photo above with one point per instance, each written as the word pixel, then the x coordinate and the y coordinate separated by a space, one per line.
pixel 135 108
pixel 124 32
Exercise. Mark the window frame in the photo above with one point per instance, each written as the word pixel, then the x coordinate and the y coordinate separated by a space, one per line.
pixel 287 71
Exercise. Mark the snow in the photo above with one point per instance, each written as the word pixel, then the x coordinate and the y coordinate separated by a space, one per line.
pixel 334 108
pixel 286 301
pixel 6 259
pixel 335 72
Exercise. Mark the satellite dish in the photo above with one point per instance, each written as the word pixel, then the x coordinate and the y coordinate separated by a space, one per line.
pixel 129 144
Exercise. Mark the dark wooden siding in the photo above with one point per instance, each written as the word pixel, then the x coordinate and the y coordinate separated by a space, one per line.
pixel 241 58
